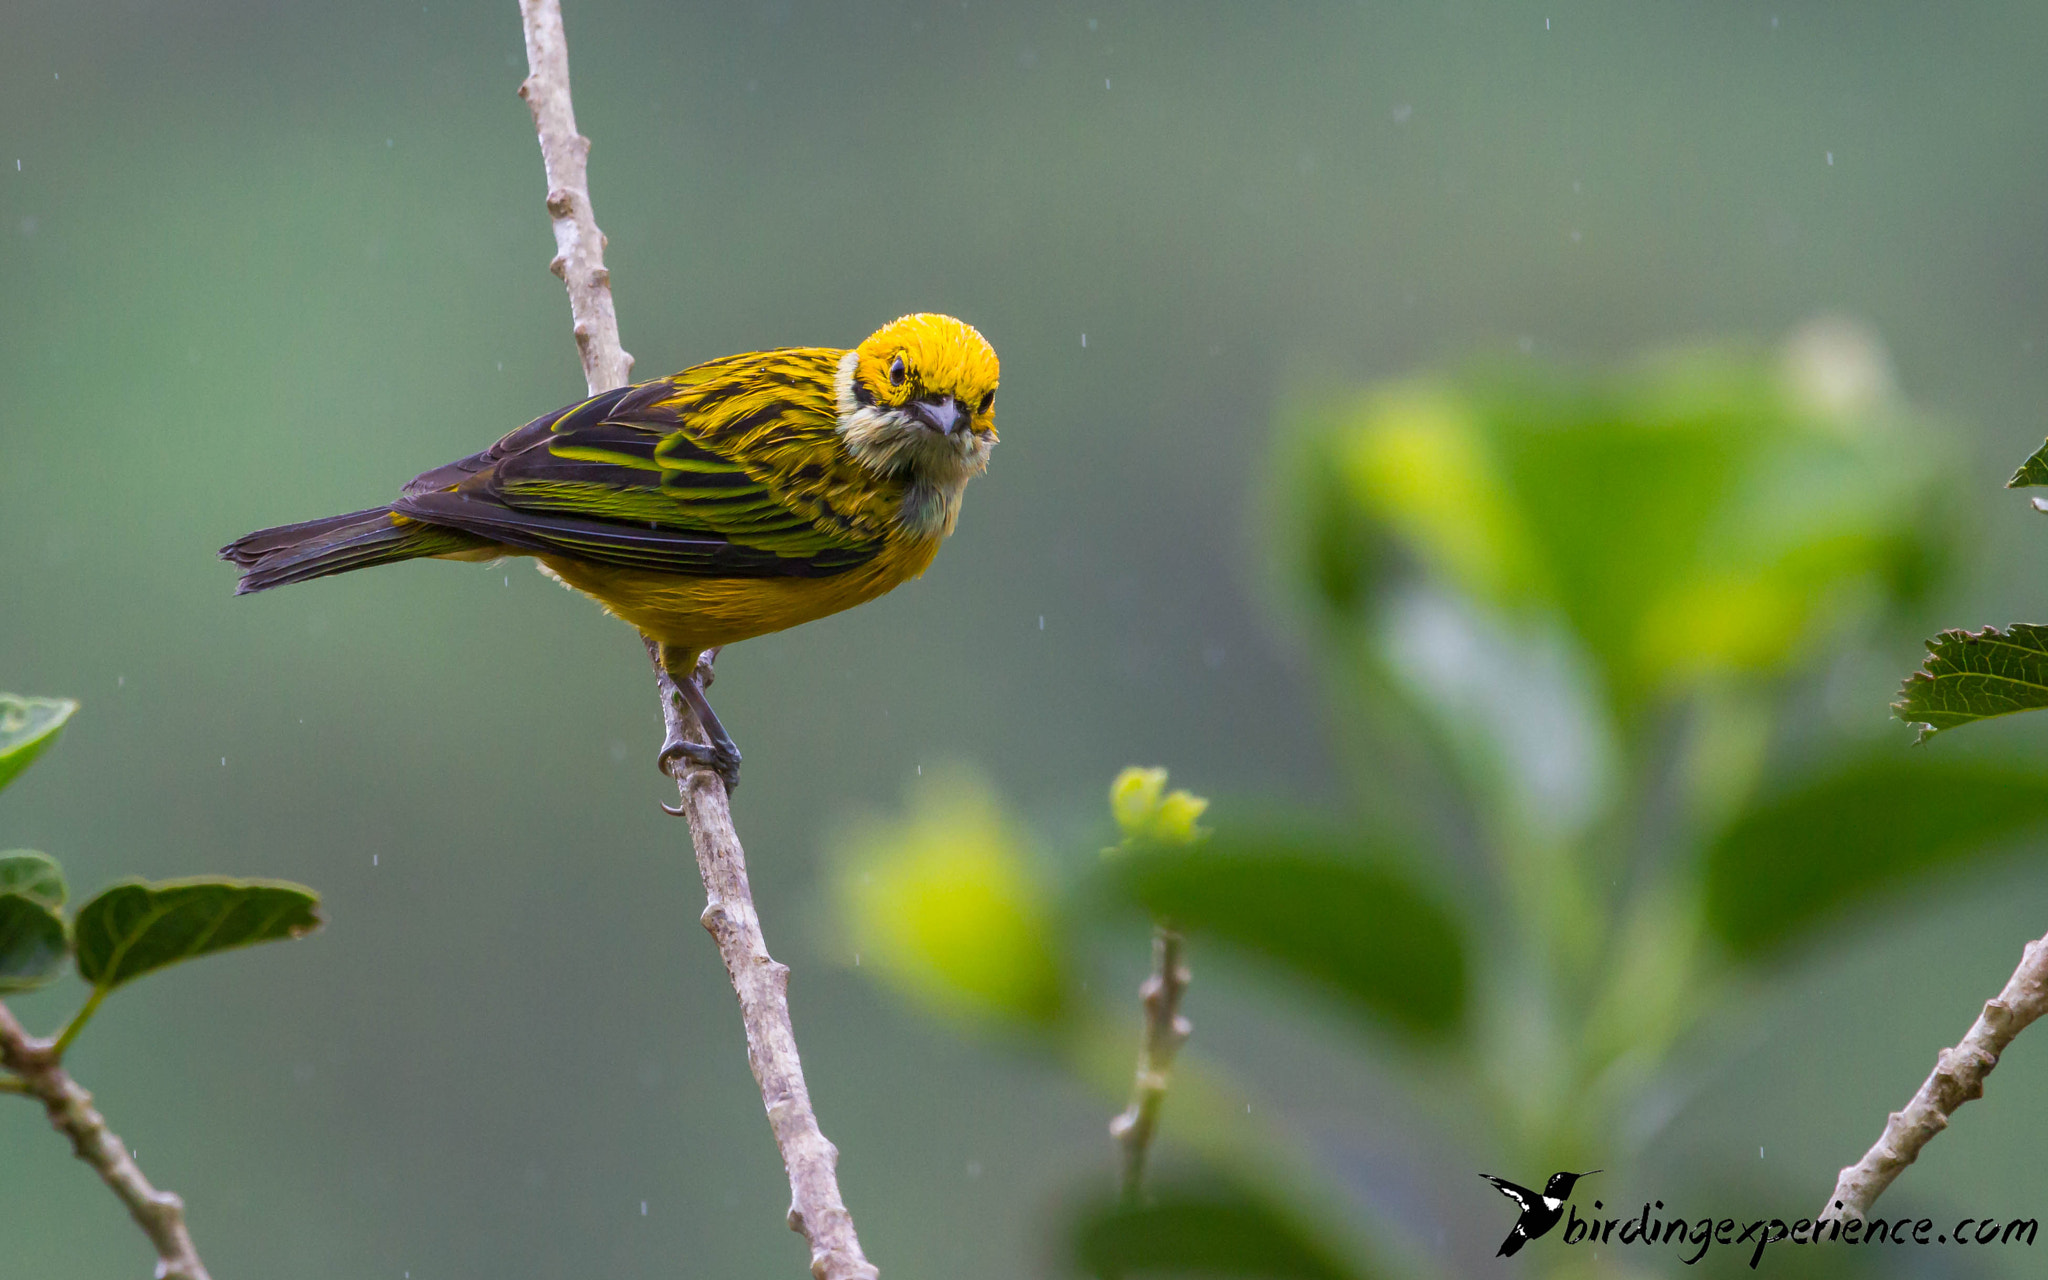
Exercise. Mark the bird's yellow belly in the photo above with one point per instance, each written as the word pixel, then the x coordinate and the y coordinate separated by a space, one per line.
pixel 693 614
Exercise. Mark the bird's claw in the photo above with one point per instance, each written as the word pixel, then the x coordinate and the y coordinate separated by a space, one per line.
pixel 725 763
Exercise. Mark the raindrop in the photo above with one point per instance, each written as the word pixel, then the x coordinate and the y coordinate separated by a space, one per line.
pixel 643 1208
pixel 1759 1153
pixel 1546 24
pixel 373 859
pixel 1084 342
pixel 1105 82
pixel 920 771
pixel 974 1168
pixel 223 762
pixel 1091 24
pixel 1402 112
pixel 387 142
pixel 1041 622
pixel 120 682
pixel 1831 157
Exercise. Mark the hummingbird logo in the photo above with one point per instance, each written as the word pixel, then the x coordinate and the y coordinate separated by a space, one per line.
pixel 1540 1210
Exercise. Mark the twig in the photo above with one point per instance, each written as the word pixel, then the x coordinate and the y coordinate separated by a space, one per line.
pixel 160 1214
pixel 1958 1077
pixel 1165 1032
pixel 565 153
pixel 762 985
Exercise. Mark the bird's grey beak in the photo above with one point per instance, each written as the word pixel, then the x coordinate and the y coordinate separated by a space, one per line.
pixel 942 414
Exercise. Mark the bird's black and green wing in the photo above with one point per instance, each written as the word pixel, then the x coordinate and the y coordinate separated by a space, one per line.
pixel 696 475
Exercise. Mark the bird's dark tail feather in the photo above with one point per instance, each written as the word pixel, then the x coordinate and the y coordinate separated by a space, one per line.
pixel 296 552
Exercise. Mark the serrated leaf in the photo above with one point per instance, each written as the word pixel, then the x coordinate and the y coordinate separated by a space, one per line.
pixel 32 943
pixel 1349 920
pixel 1800 861
pixel 27 727
pixel 1218 1232
pixel 138 927
pixel 2034 471
pixel 1975 675
pixel 35 874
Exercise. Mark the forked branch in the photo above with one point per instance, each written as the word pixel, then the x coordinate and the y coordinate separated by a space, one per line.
pixel 160 1214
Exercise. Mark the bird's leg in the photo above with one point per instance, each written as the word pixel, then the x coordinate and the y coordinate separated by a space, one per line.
pixel 721 755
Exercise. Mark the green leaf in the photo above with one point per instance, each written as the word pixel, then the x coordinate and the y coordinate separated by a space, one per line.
pixel 27 726
pixel 1975 675
pixel 1804 859
pixel 32 943
pixel 2032 472
pixel 35 874
pixel 138 927
pixel 1207 1232
pixel 1347 919
pixel 1700 518
pixel 945 904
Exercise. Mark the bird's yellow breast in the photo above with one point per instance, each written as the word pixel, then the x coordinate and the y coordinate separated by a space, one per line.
pixel 694 614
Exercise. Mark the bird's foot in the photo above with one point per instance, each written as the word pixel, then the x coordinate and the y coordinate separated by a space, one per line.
pixel 722 759
pixel 719 754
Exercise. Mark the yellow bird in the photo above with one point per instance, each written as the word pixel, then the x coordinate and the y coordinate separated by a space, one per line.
pixel 738 497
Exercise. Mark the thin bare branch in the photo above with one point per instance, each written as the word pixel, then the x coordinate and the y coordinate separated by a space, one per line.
pixel 160 1214
pixel 762 985
pixel 1958 1077
pixel 1165 1032
pixel 579 245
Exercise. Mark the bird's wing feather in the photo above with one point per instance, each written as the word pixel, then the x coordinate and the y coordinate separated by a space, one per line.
pixel 1519 1194
pixel 730 469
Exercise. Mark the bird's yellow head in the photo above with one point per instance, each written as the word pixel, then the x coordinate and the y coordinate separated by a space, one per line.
pixel 917 400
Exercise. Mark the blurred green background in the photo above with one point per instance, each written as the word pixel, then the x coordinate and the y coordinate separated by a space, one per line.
pixel 260 264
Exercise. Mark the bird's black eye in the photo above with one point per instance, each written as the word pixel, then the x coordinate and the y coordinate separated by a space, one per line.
pixel 896 372
pixel 988 402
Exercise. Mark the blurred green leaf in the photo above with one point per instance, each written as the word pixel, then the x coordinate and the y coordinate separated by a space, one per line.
pixel 1185 1232
pixel 1328 541
pixel 2034 471
pixel 35 874
pixel 1690 519
pixel 32 943
pixel 138 927
pixel 942 903
pixel 1343 917
pixel 1974 675
pixel 27 727
pixel 1799 861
